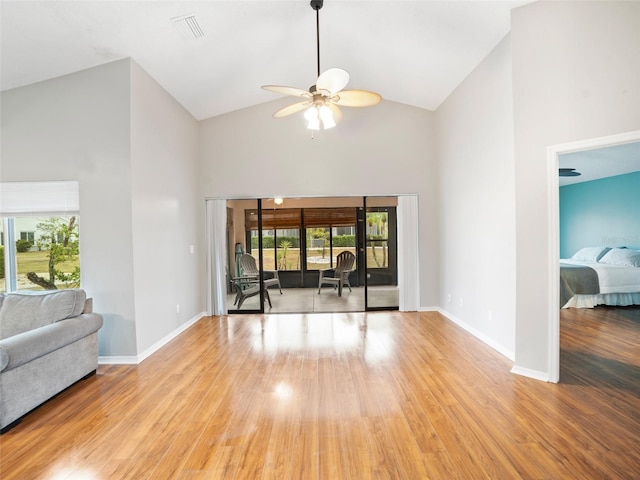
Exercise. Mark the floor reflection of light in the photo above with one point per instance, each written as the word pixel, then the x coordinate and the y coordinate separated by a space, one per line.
pixel 283 391
pixel 74 474
pixel 318 332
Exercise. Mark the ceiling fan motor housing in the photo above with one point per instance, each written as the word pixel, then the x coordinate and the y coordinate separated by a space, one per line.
pixel 316 4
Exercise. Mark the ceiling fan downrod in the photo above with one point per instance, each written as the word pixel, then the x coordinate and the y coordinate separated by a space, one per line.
pixel 317 5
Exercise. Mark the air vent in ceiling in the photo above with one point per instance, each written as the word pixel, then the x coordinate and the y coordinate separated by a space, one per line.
pixel 188 26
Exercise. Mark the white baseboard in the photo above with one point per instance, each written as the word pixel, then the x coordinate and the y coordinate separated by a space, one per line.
pixel 527 372
pixel 135 360
pixel 478 334
pixel 429 309
pixel 118 360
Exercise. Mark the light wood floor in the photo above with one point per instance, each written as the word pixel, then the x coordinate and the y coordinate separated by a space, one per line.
pixel 330 396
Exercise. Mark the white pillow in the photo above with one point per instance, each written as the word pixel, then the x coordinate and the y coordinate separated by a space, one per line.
pixel 590 254
pixel 622 256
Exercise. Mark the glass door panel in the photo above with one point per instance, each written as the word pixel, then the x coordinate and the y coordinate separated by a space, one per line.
pixel 381 253
pixel 245 236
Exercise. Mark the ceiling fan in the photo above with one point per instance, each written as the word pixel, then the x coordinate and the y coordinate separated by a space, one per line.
pixel 323 100
pixel 568 172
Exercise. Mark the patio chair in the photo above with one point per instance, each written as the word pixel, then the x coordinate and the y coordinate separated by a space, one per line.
pixel 247 287
pixel 249 269
pixel 338 276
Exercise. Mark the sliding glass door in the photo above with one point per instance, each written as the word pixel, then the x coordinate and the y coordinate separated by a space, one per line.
pixel 380 254
pixel 245 285
pixel 296 239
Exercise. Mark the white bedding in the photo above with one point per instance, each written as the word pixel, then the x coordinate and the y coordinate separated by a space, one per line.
pixel 613 278
pixel 611 299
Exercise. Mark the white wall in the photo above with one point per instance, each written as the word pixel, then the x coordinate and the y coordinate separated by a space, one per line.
pixel 168 212
pixel 474 132
pixel 77 127
pixel 386 149
pixel 134 151
pixel 576 75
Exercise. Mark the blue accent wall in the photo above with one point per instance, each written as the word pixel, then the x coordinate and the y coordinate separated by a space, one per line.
pixel 602 212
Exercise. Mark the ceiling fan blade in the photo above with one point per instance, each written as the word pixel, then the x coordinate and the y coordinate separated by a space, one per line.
pixel 333 80
pixel 357 98
pixel 291 109
pixel 337 114
pixel 296 92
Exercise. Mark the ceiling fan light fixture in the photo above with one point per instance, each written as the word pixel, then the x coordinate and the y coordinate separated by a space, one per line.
pixel 326 115
pixel 312 117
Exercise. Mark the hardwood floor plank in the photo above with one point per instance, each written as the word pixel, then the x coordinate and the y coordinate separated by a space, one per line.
pixel 354 396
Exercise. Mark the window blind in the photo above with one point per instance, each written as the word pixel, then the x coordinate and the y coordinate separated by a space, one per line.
pixel 291 218
pixel 281 218
pixel 330 217
pixel 37 198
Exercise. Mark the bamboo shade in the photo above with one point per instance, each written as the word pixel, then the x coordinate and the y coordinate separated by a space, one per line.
pixel 329 217
pixel 273 219
pixel 282 218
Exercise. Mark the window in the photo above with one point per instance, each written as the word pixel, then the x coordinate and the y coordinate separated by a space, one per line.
pixel 28 236
pixel 330 231
pixel 53 260
pixel 377 239
pixel 318 248
pixel 40 224
pixel 287 243
pixel 280 237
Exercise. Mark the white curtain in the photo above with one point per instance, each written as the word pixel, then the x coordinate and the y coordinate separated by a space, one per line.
pixel 408 253
pixel 216 224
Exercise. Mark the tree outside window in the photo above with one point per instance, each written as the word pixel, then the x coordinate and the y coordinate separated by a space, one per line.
pixel 60 238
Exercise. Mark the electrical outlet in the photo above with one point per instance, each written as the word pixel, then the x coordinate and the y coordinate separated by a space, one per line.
pixel 449 298
pixel 178 308
pixel 461 302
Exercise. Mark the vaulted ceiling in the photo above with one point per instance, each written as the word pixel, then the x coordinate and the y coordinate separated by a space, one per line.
pixel 412 52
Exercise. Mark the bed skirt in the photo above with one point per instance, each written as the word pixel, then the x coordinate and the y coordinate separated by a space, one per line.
pixel 611 299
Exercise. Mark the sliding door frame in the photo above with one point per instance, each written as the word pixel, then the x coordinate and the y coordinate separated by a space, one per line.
pixel 407 241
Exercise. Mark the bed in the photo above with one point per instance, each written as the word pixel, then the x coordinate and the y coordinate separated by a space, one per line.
pixel 600 276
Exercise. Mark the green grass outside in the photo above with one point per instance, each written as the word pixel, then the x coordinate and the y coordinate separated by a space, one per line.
pixel 38 262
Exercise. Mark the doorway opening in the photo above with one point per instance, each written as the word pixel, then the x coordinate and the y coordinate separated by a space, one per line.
pixel 554 156
pixel 294 242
